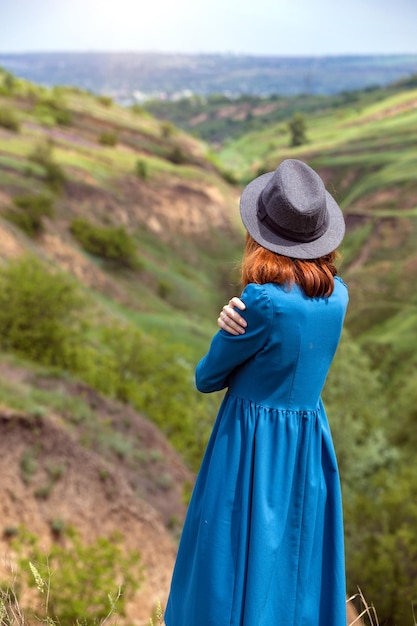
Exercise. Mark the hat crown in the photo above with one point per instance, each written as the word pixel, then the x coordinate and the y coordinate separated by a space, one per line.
pixel 293 203
pixel 290 212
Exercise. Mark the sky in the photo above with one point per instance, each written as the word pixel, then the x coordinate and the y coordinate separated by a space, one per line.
pixel 271 27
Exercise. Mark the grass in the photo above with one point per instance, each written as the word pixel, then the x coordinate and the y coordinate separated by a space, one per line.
pixel 365 610
pixel 31 400
pixel 337 133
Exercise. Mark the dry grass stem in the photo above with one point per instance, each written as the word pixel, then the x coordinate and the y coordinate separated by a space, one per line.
pixel 367 611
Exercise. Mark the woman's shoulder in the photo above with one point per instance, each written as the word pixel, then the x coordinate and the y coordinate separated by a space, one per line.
pixel 341 288
pixel 254 293
pixel 340 281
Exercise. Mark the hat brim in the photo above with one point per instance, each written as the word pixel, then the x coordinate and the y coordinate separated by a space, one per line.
pixel 270 240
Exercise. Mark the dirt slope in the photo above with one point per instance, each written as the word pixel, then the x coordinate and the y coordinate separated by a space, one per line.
pixel 94 494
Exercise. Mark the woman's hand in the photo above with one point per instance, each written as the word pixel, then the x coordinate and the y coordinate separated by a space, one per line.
pixel 230 320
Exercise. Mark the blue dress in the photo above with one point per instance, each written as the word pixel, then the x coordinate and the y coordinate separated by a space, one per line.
pixel 262 543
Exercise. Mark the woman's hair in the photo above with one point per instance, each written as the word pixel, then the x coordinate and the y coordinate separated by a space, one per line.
pixel 261 266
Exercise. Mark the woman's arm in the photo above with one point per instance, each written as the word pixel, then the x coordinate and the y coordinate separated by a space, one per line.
pixel 228 351
pixel 230 320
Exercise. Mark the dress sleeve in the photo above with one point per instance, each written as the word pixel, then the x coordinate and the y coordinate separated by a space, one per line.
pixel 229 351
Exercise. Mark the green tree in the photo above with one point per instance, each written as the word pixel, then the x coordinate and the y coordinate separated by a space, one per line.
pixel 297 127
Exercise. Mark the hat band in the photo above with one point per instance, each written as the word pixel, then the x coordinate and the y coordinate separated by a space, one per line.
pixel 290 234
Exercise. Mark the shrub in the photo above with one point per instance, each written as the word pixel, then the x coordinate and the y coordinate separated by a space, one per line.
pixel 383 544
pixel 38 312
pixel 108 138
pixel 229 176
pixel 134 368
pixel 167 129
pixel 9 83
pixel 110 243
pixel 78 580
pixel 28 465
pixel 52 111
pixel 139 110
pixel 9 120
pixel 29 212
pixel 177 156
pixel 141 169
pixel 106 101
pixel 164 289
pixel 43 155
pixel 63 117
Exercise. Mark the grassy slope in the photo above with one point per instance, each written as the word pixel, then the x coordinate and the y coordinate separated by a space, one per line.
pixel 182 218
pixel 364 150
pixel 102 186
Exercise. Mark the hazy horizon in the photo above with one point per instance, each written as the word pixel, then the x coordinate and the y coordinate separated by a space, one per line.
pixel 265 28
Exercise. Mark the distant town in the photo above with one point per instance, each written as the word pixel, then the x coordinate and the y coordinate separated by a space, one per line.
pixel 138 77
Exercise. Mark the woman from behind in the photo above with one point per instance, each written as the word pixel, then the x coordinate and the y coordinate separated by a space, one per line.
pixel 262 543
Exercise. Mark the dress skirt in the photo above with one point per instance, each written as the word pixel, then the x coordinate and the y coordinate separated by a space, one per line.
pixel 262 544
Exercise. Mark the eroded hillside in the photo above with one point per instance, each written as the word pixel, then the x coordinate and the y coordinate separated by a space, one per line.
pixel 152 212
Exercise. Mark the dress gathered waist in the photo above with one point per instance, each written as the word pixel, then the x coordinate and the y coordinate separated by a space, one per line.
pixel 286 410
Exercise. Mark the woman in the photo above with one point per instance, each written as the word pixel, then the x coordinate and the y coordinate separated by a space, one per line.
pixel 262 543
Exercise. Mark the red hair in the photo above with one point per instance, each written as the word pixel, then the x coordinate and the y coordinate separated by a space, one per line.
pixel 315 276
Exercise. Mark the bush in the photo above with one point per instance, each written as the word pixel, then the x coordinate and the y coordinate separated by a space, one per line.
pixel 54 174
pixel 9 120
pixel 9 84
pixel 133 368
pixel 109 243
pixel 139 110
pixel 167 130
pixel 108 138
pixel 384 544
pixel 106 101
pixel 63 117
pixel 229 176
pixel 37 312
pixel 177 156
pixel 165 288
pixel 32 210
pixel 79 581
pixel 141 169
pixel 52 111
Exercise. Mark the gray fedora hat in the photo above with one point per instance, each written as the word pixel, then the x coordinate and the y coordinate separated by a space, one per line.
pixel 290 212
